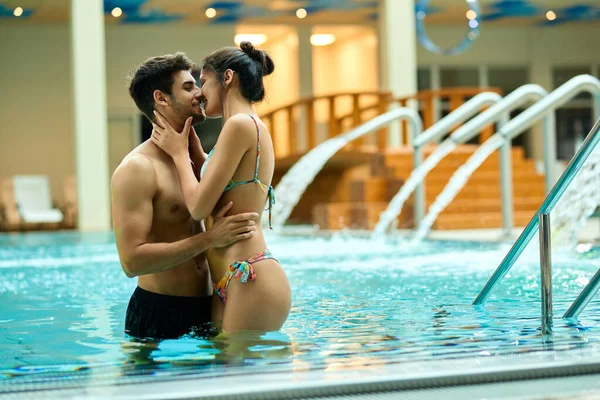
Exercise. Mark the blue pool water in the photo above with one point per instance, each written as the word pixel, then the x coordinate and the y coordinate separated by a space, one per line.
pixel 356 303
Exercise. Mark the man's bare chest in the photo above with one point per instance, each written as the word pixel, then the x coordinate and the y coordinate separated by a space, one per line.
pixel 169 203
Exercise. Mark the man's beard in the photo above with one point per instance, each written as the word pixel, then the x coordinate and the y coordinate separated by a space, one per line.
pixel 185 111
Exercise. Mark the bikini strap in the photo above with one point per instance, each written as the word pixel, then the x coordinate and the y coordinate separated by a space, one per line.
pixel 269 189
pixel 257 149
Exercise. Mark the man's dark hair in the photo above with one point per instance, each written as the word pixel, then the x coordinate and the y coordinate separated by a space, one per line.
pixel 156 73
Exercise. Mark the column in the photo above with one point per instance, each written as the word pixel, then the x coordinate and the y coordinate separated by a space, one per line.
pixel 305 86
pixel 436 84
pixel 484 76
pixel 398 52
pixel 540 72
pixel 89 106
pixel 305 67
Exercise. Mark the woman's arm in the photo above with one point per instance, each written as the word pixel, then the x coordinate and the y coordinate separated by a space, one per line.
pixel 236 138
pixel 197 154
pixel 133 188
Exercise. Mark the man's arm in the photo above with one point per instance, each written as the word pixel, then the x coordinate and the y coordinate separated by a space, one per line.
pixel 133 188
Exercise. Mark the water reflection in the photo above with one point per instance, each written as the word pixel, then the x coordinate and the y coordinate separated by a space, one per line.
pixel 358 314
pixel 238 348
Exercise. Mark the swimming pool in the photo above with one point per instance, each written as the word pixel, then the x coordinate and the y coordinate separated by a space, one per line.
pixel 361 309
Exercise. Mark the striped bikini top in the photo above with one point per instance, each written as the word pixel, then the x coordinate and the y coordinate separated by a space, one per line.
pixel 232 183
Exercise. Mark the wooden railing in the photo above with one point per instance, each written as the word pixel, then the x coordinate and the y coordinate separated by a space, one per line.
pixel 301 126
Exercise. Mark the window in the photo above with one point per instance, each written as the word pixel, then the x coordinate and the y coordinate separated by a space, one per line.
pixel 561 75
pixel 508 78
pixel 459 76
pixel 574 119
pixel 423 78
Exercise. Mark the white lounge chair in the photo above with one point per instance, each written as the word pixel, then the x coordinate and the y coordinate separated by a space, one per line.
pixel 34 202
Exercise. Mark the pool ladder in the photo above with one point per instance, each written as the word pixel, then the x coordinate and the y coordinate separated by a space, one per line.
pixel 541 219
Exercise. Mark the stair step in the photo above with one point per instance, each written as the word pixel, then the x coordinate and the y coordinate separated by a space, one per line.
pixel 460 150
pixel 517 155
pixel 366 216
pixel 449 166
pixel 519 189
pixel 355 197
pixel 377 189
pixel 400 162
pixel 491 205
pixel 486 176
pixel 480 220
pixel 374 189
pixel 355 215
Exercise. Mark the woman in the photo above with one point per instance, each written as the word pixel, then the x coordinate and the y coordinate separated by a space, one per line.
pixel 252 291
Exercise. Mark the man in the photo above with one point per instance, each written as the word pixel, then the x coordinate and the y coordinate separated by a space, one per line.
pixel 156 237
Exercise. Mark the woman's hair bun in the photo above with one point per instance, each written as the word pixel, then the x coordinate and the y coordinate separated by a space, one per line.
pixel 261 57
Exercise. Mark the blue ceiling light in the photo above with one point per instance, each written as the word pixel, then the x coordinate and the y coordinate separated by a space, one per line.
pixel 336 5
pixel 225 5
pixel 254 12
pixel 576 13
pixel 421 10
pixel 128 6
pixel 427 9
pixel 151 17
pixel 372 4
pixel 231 12
pixel 225 19
pixel 312 6
pixel 134 14
pixel 511 9
pixel 329 3
pixel 312 9
pixel 6 12
pixel 343 4
pixel 227 12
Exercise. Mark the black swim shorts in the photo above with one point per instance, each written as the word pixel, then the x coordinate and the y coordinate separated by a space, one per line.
pixel 159 316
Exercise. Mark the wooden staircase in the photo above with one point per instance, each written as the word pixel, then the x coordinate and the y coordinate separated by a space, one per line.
pixel 358 183
pixel 355 197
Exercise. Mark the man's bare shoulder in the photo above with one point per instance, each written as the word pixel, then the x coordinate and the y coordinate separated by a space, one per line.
pixel 135 171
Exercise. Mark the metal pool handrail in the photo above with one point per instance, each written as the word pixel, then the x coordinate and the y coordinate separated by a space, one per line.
pixel 499 113
pixel 584 297
pixel 548 204
pixel 438 130
pixel 546 272
pixel 282 209
pixel 506 133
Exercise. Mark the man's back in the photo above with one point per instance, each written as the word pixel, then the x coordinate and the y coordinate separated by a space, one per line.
pixel 148 207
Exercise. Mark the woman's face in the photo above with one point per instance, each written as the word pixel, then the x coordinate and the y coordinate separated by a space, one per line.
pixel 210 88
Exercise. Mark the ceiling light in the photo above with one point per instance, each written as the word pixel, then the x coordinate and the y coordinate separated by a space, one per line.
pixel 255 38
pixel 116 12
pixel 322 39
pixel 471 14
pixel 211 12
pixel 18 12
pixel 551 15
pixel 301 13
